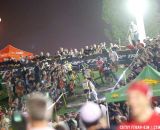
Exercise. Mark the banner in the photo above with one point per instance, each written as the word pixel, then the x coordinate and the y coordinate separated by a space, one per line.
pixel 125 57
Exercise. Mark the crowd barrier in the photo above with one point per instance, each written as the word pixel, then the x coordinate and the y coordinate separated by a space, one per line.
pixel 125 58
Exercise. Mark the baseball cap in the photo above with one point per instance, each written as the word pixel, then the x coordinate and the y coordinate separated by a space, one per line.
pixel 140 86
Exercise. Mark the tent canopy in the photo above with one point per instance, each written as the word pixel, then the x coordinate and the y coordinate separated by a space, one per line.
pixel 148 75
pixel 10 52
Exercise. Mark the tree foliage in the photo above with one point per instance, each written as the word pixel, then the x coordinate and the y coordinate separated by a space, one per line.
pixel 117 18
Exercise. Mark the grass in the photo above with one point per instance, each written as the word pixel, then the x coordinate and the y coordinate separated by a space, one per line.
pixel 79 90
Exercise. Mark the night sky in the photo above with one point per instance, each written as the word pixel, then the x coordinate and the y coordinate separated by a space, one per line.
pixel 46 25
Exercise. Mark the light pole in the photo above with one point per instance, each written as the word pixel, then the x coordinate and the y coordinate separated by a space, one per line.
pixel 138 8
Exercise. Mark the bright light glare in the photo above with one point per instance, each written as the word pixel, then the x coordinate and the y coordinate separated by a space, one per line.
pixel 137 7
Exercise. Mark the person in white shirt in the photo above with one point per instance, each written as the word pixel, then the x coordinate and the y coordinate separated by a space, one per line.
pixel 87 73
pixel 89 89
pixel 133 33
pixel 39 111
pixel 114 59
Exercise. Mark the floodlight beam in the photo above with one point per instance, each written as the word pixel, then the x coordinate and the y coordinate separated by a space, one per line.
pixel 138 9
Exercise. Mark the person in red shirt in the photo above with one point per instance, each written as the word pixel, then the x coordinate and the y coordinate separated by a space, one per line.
pixel 99 64
pixel 140 44
pixel 143 116
pixel 130 46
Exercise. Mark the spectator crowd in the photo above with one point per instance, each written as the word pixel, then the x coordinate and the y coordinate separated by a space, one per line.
pixel 54 75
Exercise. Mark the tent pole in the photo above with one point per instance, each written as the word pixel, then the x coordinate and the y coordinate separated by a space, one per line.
pixel 108 121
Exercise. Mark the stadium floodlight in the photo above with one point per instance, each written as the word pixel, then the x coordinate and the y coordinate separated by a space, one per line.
pixel 138 9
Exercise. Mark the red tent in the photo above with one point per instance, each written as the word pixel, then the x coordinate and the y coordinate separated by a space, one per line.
pixel 10 52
